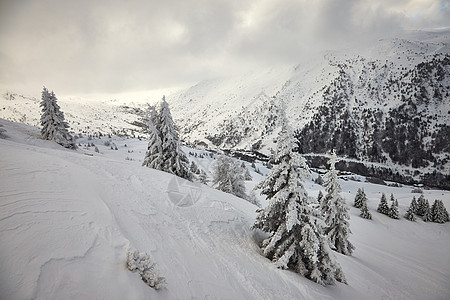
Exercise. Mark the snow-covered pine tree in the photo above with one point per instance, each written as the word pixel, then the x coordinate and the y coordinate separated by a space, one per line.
pixel 228 176
pixel 427 217
pixel 414 206
pixel 194 168
pixel 439 212
pixel 335 212
pixel 247 175
pixel 421 205
pixel 296 239
pixel 383 206
pixel 174 159
pixel 153 157
pixel 54 127
pixel 360 198
pixel 203 178
pixel 393 210
pixel 410 212
pixel 365 213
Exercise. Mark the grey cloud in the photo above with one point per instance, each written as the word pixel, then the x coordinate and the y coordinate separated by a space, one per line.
pixel 115 46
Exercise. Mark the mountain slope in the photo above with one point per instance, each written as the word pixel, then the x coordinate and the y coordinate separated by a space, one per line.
pixel 69 217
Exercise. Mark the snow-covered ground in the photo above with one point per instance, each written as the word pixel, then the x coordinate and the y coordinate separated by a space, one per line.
pixel 68 218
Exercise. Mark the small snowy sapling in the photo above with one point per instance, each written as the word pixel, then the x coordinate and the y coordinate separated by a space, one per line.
pixel 140 262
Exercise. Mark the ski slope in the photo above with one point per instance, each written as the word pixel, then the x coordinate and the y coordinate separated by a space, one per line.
pixel 68 218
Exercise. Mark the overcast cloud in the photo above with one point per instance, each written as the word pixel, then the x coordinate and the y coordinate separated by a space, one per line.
pixel 86 46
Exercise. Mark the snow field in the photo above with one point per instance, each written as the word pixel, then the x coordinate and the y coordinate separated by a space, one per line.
pixel 68 219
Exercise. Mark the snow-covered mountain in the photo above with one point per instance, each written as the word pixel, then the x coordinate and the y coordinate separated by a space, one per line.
pixel 383 109
pixel 389 104
pixel 69 217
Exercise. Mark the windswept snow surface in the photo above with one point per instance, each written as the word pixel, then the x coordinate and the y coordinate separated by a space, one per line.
pixel 68 218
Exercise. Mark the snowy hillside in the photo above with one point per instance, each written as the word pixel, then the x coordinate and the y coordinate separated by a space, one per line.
pixel 69 217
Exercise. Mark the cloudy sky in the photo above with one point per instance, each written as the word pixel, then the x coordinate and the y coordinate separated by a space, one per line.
pixel 112 46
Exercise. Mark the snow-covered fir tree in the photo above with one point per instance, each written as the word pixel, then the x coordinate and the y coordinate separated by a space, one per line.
pixel 228 176
pixel 410 212
pixel 54 127
pixel 153 157
pixel 247 175
pixel 360 198
pixel 203 178
pixel 174 160
pixel 393 210
pixel 414 205
pixel 383 207
pixel 421 205
pixel 439 212
pixel 194 168
pixel 364 211
pixel 296 240
pixel 335 212
pixel 427 216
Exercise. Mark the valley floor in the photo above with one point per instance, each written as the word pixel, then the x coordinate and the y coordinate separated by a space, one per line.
pixel 68 218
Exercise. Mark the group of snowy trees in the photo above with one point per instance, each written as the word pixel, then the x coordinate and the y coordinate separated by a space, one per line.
pixel 421 207
pixel 54 127
pixel 361 203
pixel 164 148
pixel 300 234
pixel 384 208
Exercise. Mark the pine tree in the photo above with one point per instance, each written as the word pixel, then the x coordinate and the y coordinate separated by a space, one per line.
pixel 414 206
pixel 383 206
pixel 335 212
pixel 153 157
pixel 54 127
pixel 174 160
pixel 228 177
pixel 360 198
pixel 427 217
pixel 247 175
pixel 296 239
pixel 439 212
pixel 410 212
pixel 393 210
pixel 203 178
pixel 194 168
pixel 421 205
pixel 365 213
